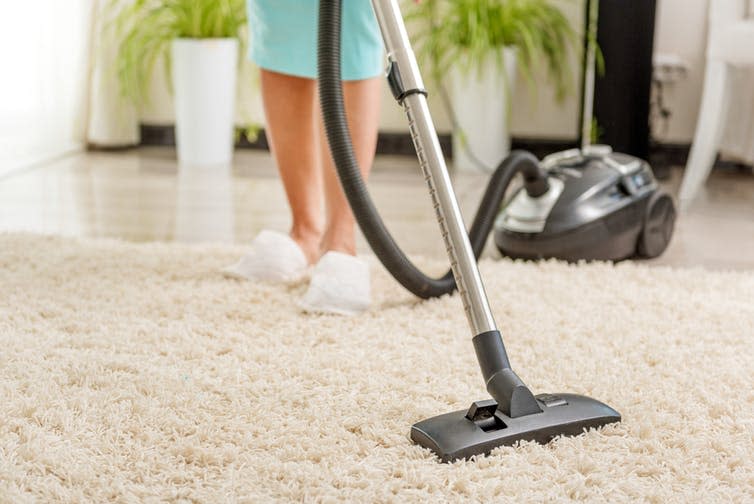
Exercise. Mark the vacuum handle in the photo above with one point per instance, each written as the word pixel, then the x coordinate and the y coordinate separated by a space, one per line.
pixel 511 394
pixel 432 161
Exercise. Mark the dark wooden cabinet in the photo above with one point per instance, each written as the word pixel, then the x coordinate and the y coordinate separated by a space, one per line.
pixel 622 94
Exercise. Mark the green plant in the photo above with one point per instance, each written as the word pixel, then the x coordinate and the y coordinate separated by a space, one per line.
pixel 144 30
pixel 596 132
pixel 463 33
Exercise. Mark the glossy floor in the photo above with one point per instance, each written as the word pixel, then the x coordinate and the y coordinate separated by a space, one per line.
pixel 142 195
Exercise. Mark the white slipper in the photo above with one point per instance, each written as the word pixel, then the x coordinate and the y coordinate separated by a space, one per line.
pixel 339 284
pixel 274 257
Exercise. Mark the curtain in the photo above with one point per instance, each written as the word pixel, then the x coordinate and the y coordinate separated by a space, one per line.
pixel 45 51
pixel 113 120
pixel 738 138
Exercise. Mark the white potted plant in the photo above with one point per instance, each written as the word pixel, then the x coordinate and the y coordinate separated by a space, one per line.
pixel 198 40
pixel 477 46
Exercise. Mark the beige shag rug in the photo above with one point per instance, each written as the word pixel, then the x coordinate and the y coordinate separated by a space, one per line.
pixel 137 373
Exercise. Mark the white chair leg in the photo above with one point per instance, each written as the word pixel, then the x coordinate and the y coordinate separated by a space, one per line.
pixel 709 130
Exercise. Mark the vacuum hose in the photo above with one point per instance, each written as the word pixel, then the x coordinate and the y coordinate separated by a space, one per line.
pixel 370 222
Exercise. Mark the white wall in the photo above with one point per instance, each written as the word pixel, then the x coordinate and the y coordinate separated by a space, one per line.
pixel 681 30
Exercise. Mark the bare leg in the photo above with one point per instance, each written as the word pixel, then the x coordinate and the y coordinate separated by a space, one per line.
pixel 289 104
pixel 362 101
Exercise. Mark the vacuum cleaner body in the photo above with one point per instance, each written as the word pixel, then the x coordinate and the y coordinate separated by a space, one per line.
pixel 602 206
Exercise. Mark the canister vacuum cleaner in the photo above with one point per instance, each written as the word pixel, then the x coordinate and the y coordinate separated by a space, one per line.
pixel 601 206
pixel 588 203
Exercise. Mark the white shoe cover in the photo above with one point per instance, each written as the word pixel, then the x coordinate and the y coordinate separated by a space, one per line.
pixel 273 257
pixel 340 284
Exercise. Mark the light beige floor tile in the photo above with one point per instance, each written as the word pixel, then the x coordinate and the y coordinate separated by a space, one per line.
pixel 142 195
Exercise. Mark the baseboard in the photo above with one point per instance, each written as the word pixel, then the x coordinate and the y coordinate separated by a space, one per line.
pixel 157 135
pixel 398 144
pixel 662 156
pixel 387 143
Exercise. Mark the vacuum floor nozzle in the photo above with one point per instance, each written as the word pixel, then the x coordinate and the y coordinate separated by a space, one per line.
pixel 483 427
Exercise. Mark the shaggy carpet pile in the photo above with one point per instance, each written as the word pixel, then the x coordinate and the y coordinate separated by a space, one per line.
pixel 138 373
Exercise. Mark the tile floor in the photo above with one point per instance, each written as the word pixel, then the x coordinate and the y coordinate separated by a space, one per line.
pixel 141 195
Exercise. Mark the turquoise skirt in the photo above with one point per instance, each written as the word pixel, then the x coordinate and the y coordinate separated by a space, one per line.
pixel 284 38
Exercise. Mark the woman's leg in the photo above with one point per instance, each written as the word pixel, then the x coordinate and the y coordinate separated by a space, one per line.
pixel 289 104
pixel 362 101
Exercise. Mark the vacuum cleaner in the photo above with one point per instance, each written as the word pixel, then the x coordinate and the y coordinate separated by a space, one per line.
pixel 601 206
pixel 586 200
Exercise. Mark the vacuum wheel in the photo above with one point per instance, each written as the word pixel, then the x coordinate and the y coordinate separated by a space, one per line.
pixel 659 221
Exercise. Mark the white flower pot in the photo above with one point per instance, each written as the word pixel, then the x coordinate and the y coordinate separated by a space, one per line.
pixel 204 82
pixel 481 104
